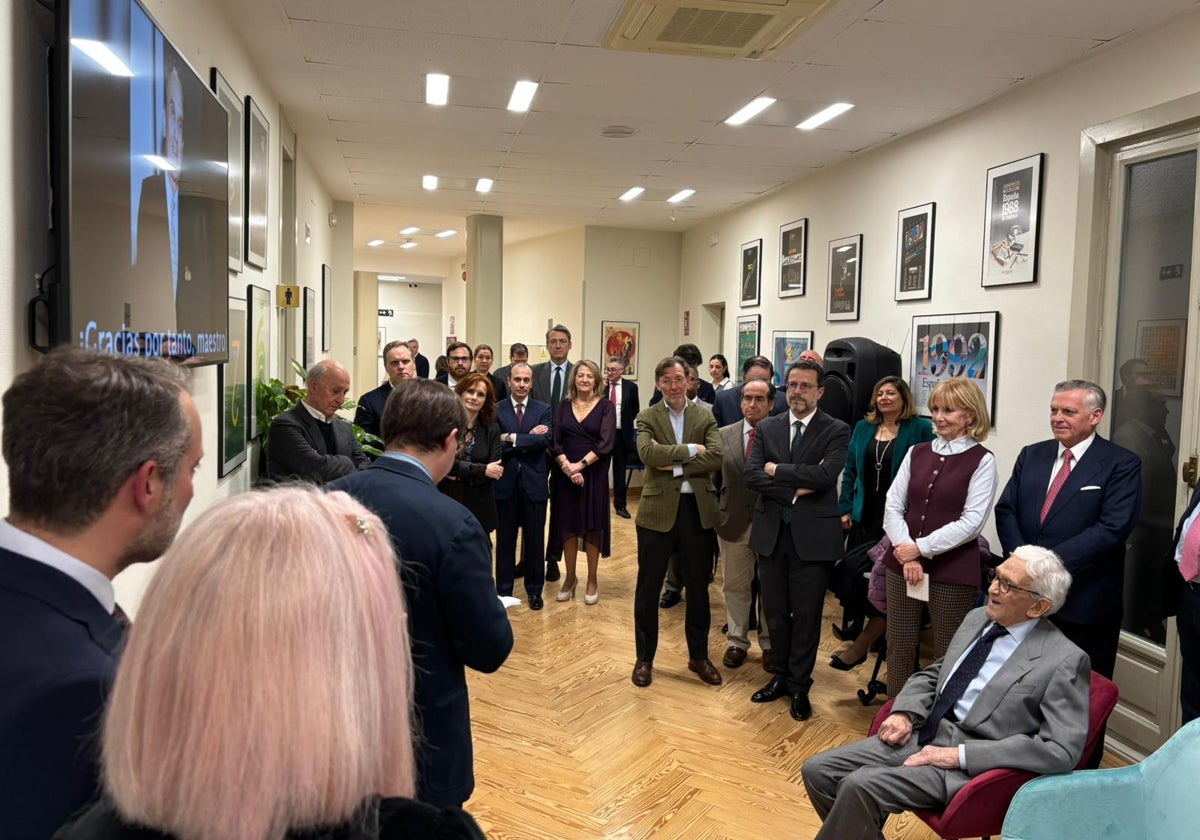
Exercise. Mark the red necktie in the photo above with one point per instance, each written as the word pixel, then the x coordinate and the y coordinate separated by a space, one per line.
pixel 1189 560
pixel 520 415
pixel 750 442
pixel 612 393
pixel 1064 472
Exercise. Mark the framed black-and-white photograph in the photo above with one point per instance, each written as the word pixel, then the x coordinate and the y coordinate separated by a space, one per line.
pixel 310 327
pixel 259 322
pixel 751 273
pixel 793 258
pixel 845 278
pixel 258 161
pixel 962 345
pixel 914 252
pixel 231 385
pixel 749 328
pixel 236 150
pixel 1010 229
pixel 326 307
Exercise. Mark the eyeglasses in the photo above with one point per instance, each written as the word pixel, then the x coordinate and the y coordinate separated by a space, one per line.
pixel 460 358
pixel 1005 585
pixel 802 387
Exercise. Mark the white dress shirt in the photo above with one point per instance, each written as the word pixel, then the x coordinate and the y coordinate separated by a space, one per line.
pixel 677 427
pixel 27 545
pixel 608 386
pixel 316 415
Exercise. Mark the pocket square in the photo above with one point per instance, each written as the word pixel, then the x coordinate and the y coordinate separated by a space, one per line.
pixel 1091 487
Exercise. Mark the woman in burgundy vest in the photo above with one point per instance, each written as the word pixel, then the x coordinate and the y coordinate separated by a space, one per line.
pixel 936 508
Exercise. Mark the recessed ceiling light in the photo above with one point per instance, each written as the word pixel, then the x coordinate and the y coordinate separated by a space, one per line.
pixel 374 243
pixel 522 96
pixel 437 88
pixel 429 182
pixel 408 244
pixel 409 231
pixel 391 278
pixel 822 117
pixel 682 195
pixel 99 52
pixel 445 233
pixel 751 111
pixel 483 185
pixel 161 163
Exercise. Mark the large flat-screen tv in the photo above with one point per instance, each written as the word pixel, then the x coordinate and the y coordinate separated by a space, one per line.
pixel 140 181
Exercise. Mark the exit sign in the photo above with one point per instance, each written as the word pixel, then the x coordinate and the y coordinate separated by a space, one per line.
pixel 386 313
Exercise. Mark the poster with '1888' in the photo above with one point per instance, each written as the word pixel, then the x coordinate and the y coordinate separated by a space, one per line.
pixel 1010 231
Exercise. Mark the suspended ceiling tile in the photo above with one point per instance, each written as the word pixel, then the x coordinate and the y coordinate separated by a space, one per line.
pixel 517 20
pixel 945 91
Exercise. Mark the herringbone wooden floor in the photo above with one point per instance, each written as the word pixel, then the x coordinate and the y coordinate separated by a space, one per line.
pixel 567 747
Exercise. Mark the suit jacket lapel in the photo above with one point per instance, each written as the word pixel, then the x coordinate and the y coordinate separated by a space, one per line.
pixel 1090 465
pixel 312 429
pixel 1010 673
pixel 813 423
pixel 955 650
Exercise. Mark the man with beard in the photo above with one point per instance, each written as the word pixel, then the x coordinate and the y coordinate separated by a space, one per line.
pixel 458 364
pixel 100 451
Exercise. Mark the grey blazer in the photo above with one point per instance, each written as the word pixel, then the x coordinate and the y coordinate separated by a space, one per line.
pixel 296 449
pixel 737 500
pixel 1032 715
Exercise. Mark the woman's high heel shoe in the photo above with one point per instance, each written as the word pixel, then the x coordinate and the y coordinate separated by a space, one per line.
pixel 565 594
pixel 593 599
pixel 839 664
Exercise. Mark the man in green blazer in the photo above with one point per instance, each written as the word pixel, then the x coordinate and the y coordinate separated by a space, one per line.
pixel 681 447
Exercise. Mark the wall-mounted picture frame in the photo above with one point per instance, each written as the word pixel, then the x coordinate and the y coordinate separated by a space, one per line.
pixel 1162 344
pixel 259 321
pixel 258 161
pixel 748 329
pixel 793 258
pixel 381 340
pixel 845 278
pixel 233 405
pixel 914 252
pixel 786 347
pixel 326 308
pixel 1010 229
pixel 236 128
pixel 960 345
pixel 310 327
pixel 620 338
pixel 751 277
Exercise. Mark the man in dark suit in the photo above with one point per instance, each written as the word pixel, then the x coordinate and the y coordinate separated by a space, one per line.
pixel 521 492
pixel 309 441
pixel 399 364
pixel 550 382
pixel 457 621
pixel 1011 692
pixel 1095 494
pixel 623 394
pixel 794 466
pixel 458 364
pixel 728 405
pixel 1186 553
pixel 422 363
pixel 100 451
pixel 517 352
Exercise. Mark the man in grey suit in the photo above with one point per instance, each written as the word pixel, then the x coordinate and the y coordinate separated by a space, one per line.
pixel 309 441
pixel 550 381
pixel 1012 692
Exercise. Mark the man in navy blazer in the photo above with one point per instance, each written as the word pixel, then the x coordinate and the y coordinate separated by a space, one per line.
pixel 728 406
pixel 624 395
pixel 456 619
pixel 399 364
pixel 1090 517
pixel 1188 620
pixel 521 492
pixel 100 452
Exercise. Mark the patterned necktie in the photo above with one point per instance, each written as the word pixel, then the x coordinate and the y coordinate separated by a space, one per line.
pixel 556 388
pixel 1189 560
pixel 1064 472
pixel 953 691
pixel 520 415
pixel 750 442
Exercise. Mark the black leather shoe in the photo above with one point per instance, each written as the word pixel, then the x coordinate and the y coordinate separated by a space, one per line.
pixel 621 512
pixel 773 690
pixel 801 708
pixel 643 673
pixel 552 573
pixel 519 570
pixel 669 599
pixel 535 602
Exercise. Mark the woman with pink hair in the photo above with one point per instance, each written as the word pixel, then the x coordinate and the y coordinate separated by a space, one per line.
pixel 265 692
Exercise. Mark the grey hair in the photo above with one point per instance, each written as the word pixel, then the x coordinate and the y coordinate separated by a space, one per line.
pixel 1095 394
pixel 616 359
pixel 1047 574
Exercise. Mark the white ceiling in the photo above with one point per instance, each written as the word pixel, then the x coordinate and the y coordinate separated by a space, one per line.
pixel 351 76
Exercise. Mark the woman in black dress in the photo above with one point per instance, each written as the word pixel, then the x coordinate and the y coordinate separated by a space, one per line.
pixel 477 462
pixel 584 428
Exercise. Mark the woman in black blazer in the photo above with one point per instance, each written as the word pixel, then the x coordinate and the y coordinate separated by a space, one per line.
pixel 477 463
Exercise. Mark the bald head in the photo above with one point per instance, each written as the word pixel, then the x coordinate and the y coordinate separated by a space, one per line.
pixel 328 384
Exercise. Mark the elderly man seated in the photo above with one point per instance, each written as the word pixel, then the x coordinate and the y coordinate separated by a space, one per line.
pixel 1012 691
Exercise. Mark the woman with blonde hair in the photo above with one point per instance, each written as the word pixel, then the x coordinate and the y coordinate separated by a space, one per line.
pixel 935 511
pixel 266 687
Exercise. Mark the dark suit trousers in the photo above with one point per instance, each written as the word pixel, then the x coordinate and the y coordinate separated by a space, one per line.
pixel 519 513
pixel 694 544
pixel 793 595
pixel 1188 622
pixel 1099 642
pixel 620 461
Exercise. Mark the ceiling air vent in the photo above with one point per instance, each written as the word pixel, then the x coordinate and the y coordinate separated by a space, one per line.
pixel 754 29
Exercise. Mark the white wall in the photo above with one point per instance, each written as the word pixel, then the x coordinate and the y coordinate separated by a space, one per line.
pixel 543 280
pixel 416 312
pixel 947 164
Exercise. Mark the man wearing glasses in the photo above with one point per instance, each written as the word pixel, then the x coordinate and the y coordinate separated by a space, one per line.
pixel 458 364
pixel 1011 692
pixel 794 465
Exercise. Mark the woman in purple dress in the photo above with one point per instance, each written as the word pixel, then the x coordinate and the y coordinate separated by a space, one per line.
pixel 584 428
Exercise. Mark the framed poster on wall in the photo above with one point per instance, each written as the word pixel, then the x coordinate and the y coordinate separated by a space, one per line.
pixel 259 320
pixel 231 385
pixel 961 345
pixel 236 148
pixel 845 278
pixel 751 273
pixel 258 161
pixel 748 329
pixel 620 338
pixel 326 307
pixel 793 258
pixel 310 327
pixel 914 252
pixel 1010 229
pixel 786 347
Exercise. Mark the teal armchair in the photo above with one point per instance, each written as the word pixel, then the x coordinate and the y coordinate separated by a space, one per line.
pixel 1156 798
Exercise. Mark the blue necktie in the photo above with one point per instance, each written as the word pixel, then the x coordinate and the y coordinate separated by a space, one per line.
pixel 953 691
